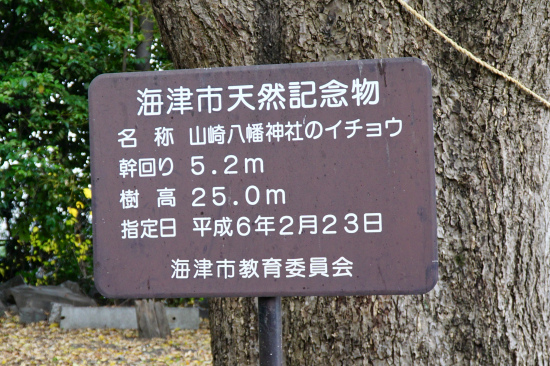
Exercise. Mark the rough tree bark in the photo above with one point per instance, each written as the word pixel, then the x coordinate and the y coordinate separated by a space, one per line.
pixel 492 157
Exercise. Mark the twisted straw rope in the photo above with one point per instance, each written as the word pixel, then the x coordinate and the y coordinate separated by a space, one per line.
pixel 473 57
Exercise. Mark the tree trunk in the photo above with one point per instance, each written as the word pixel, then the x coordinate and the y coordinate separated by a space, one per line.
pixel 490 306
pixel 147 26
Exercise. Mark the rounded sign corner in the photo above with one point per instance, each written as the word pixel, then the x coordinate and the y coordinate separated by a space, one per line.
pixel 95 81
pixel 104 289
pixel 422 64
pixel 431 279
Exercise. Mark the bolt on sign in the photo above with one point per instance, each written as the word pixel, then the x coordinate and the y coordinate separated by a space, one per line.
pixel 278 180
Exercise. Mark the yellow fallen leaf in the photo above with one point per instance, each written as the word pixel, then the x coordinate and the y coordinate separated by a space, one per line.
pixel 87 193
pixel 73 211
pixel 47 344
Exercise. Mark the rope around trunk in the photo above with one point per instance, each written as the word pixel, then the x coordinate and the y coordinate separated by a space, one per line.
pixel 474 57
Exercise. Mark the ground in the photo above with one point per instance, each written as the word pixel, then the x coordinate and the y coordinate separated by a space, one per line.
pixel 46 344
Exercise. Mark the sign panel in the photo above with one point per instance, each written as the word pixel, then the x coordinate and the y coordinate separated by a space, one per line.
pixel 298 179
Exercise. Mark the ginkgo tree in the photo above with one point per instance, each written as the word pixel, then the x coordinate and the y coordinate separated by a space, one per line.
pixel 492 158
pixel 49 53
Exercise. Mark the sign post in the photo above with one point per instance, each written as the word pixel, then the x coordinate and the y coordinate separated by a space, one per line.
pixel 268 181
pixel 270 329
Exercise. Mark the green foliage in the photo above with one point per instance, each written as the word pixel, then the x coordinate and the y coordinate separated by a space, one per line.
pixel 50 50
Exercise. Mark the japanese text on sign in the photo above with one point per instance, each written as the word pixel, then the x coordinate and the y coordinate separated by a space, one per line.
pixel 296 95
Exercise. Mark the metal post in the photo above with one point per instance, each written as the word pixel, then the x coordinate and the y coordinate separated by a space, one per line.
pixel 270 331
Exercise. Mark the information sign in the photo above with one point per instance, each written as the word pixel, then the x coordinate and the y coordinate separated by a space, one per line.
pixel 297 179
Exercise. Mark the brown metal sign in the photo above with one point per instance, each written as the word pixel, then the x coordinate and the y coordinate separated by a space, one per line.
pixel 299 179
